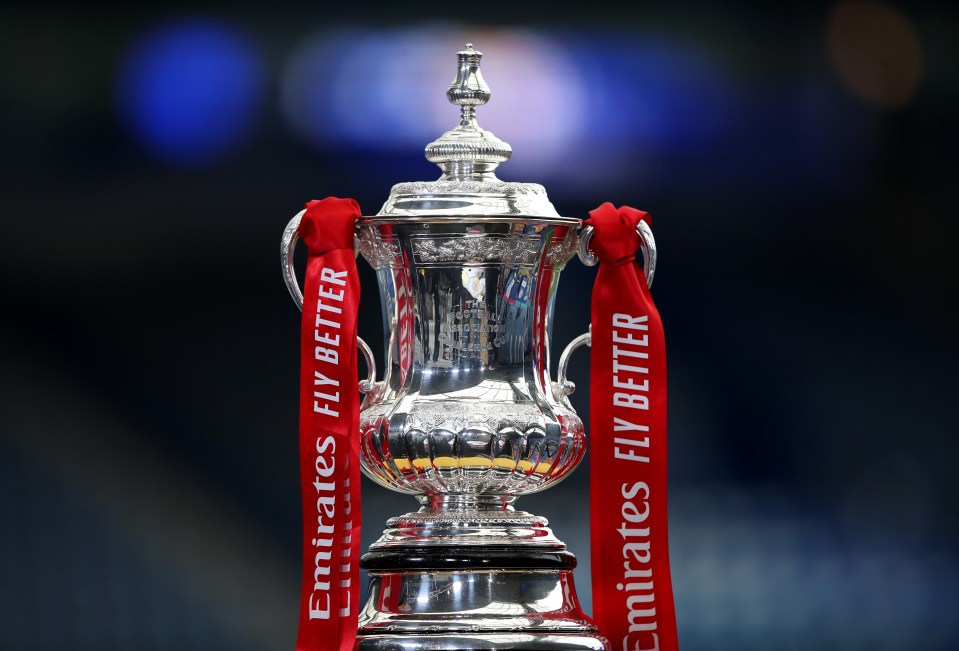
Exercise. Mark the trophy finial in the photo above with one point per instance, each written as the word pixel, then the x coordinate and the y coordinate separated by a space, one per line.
pixel 469 89
pixel 468 153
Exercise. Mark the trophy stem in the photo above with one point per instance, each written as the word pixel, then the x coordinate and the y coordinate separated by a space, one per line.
pixel 438 503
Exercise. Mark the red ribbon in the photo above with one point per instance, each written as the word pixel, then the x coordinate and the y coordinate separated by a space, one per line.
pixel 329 429
pixel 632 591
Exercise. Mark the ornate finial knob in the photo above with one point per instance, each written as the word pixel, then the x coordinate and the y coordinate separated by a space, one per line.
pixel 468 153
pixel 469 88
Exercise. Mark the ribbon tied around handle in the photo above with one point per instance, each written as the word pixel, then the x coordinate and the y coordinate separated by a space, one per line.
pixel 632 590
pixel 329 428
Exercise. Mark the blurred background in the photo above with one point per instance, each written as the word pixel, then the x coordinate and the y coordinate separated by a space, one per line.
pixel 799 160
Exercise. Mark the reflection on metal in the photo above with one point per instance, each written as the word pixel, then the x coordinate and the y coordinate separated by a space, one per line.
pixel 466 417
pixel 517 600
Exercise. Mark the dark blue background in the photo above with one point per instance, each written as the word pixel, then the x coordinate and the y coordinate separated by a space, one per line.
pixel 799 162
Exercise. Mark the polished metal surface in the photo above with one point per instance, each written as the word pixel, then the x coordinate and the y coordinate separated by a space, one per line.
pixel 483 642
pixel 466 417
pixel 466 403
pixel 468 155
pixel 468 201
pixel 454 602
pixel 468 520
pixel 562 387
pixel 468 152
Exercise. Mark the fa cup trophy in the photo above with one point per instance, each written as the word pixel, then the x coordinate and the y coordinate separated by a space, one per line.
pixel 466 417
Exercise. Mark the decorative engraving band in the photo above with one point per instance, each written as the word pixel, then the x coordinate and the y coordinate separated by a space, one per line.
pixel 380 251
pixel 513 250
pixel 460 517
pixel 559 252
pixel 468 187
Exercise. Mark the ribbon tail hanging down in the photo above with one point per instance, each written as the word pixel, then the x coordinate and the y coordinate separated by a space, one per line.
pixel 632 590
pixel 329 429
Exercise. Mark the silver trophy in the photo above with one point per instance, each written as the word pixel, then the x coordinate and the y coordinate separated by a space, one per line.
pixel 467 417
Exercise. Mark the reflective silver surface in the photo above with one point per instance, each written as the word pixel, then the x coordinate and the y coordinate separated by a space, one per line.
pixel 466 416
pixel 504 600
pixel 466 403
pixel 483 642
pixel 465 200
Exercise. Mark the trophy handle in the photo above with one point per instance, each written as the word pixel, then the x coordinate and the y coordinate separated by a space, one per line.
pixel 287 247
pixel 563 388
pixel 647 244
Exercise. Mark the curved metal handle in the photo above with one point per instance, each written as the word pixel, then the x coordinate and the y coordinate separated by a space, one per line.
pixel 563 387
pixel 287 247
pixel 647 244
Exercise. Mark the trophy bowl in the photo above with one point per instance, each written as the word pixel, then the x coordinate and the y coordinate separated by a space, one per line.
pixel 466 406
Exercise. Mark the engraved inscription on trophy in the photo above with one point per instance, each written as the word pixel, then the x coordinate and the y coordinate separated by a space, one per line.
pixel 471 331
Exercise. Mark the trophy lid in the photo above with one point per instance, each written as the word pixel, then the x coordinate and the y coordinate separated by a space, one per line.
pixel 468 156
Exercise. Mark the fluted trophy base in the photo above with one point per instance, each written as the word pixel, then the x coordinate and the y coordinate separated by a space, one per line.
pixel 471 573
pixel 482 642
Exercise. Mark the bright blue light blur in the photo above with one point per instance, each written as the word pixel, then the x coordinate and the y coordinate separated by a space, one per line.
pixel 190 90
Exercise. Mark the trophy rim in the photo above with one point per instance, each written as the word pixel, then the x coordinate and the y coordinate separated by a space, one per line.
pixel 470 200
pixel 468 219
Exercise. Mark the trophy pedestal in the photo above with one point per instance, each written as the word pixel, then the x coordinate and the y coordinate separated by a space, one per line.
pixel 472 575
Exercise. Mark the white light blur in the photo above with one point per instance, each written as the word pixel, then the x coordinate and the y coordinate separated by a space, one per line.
pixel 386 90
